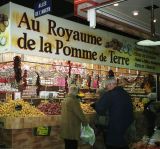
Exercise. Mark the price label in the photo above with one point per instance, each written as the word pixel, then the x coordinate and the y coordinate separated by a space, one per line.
pixel 17 95
pixel 42 131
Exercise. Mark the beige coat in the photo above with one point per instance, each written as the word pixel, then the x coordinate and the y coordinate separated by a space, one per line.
pixel 71 118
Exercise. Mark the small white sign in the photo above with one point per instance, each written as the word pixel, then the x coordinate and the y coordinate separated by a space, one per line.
pixel 17 95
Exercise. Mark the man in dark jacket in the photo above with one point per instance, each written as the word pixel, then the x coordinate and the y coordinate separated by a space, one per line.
pixel 119 106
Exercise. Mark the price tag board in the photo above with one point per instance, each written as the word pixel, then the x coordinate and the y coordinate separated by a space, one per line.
pixel 42 131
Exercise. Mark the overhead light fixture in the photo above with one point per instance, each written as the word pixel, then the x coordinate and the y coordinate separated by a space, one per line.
pixel 148 42
pixel 115 4
pixel 154 20
pixel 153 41
pixel 135 13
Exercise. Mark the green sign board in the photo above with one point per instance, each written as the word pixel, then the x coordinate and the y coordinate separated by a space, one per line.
pixel 42 131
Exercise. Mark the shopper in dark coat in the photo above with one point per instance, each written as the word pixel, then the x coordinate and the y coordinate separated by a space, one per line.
pixel 119 106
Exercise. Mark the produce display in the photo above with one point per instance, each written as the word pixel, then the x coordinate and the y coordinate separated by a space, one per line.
pixel 143 145
pixel 54 108
pixel 138 105
pixel 50 108
pixel 87 108
pixel 51 82
pixel 81 95
pixel 89 95
pixel 19 108
pixel 146 142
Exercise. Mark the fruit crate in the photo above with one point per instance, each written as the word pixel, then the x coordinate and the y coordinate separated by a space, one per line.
pixel 31 122
pixel 28 122
pixel 18 133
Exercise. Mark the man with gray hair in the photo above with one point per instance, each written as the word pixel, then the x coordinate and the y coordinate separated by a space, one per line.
pixel 120 109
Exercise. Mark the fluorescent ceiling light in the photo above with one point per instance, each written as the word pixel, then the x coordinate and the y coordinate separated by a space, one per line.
pixel 154 20
pixel 115 4
pixel 148 43
pixel 135 13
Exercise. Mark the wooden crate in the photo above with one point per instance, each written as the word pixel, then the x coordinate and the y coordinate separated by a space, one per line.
pixel 29 122
pixel 17 133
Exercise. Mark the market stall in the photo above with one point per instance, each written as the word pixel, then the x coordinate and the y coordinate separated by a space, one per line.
pixel 41 57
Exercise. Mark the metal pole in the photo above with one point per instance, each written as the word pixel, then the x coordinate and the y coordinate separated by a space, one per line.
pixel 152 21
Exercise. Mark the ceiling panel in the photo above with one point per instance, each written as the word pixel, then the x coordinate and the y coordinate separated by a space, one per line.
pixel 108 17
pixel 124 13
pixel 121 17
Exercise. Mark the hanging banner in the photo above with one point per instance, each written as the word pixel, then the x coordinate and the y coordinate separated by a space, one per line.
pixel 59 39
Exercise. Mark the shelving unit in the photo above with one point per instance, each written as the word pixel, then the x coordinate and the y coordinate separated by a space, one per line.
pixel 48 73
